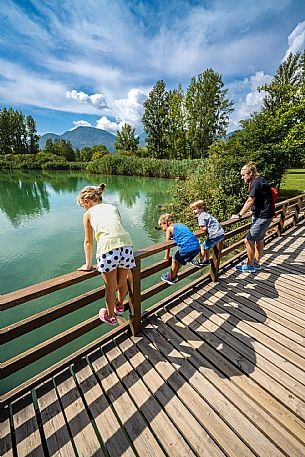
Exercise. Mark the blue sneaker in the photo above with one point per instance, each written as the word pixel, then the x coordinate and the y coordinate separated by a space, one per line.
pixel 167 278
pixel 246 268
pixel 257 266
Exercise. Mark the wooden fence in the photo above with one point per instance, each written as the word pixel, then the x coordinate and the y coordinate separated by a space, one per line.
pixel 288 212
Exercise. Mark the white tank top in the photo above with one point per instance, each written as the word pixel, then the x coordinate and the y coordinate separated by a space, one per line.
pixel 107 225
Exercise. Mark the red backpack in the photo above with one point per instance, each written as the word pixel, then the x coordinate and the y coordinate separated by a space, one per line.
pixel 275 195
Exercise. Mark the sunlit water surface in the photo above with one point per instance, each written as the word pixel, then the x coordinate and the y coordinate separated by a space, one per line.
pixel 41 237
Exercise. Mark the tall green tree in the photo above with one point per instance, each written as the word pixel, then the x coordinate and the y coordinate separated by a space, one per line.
pixel 32 137
pixel 17 133
pixel 208 109
pixel 6 132
pixel 126 139
pixel 276 135
pixel 155 120
pixel 177 132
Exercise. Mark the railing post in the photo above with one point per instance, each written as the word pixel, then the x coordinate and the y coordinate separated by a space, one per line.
pixel 135 298
pixel 282 219
pixel 297 211
pixel 215 261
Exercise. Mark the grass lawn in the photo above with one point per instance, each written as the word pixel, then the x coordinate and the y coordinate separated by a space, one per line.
pixel 293 183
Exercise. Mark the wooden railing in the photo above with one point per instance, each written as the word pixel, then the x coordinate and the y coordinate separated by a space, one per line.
pixel 288 212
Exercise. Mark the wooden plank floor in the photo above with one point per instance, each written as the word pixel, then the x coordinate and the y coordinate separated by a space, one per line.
pixel 219 372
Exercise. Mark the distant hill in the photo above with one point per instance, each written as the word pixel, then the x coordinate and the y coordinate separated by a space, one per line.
pixel 81 137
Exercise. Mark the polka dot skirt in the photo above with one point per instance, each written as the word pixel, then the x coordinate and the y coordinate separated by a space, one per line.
pixel 117 258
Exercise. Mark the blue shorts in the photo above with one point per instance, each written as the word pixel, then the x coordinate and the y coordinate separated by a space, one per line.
pixel 117 258
pixel 184 257
pixel 209 243
pixel 258 229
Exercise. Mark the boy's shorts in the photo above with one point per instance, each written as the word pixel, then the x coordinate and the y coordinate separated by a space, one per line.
pixel 117 258
pixel 258 229
pixel 184 257
pixel 209 243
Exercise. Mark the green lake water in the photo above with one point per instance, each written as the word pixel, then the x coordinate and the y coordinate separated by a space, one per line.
pixel 41 237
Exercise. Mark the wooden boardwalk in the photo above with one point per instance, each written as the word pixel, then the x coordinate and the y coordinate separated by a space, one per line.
pixel 218 372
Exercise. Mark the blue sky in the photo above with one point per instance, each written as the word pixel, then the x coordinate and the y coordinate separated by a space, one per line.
pixel 93 62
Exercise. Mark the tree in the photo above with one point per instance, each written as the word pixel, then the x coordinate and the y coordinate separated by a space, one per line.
pixel 5 132
pixel 207 110
pixel 126 140
pixel 99 148
pixel 155 120
pixel 32 137
pixel 17 133
pixel 85 154
pixel 177 132
pixel 99 154
pixel 276 134
pixel 60 148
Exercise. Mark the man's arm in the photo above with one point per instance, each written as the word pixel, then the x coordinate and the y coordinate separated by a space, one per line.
pixel 248 204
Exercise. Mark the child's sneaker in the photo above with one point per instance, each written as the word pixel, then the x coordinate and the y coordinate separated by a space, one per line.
pixel 119 309
pixel 103 315
pixel 257 266
pixel 167 278
pixel 200 264
pixel 245 267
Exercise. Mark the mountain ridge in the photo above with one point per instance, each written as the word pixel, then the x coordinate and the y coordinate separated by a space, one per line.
pixel 81 137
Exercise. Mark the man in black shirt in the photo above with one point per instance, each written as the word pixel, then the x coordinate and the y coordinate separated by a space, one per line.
pixel 261 204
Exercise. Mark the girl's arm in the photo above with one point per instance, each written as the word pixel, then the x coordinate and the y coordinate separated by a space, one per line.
pixel 169 234
pixel 88 243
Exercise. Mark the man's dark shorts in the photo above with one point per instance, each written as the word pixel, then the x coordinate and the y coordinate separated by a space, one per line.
pixel 258 229
pixel 184 257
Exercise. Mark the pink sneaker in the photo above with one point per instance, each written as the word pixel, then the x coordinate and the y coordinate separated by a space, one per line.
pixel 119 309
pixel 103 315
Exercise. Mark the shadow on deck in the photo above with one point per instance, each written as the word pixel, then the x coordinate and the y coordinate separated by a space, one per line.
pixel 218 371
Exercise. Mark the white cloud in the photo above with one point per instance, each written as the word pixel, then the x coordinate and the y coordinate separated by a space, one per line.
pixel 97 100
pixel 296 40
pixel 127 110
pixel 130 109
pixel 81 123
pixel 252 99
pixel 105 124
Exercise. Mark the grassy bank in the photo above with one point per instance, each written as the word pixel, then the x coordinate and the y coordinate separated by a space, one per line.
pixel 293 183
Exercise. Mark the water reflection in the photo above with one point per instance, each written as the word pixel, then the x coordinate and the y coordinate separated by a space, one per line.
pixel 41 229
pixel 21 197
pixel 26 194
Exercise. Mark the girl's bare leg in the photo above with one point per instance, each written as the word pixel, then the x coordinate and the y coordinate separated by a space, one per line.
pixel 110 280
pixel 122 284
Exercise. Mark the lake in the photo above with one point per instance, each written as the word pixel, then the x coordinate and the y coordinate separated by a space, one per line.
pixel 41 237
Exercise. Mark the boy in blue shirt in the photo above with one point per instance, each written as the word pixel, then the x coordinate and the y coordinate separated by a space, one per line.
pixel 185 240
pixel 212 227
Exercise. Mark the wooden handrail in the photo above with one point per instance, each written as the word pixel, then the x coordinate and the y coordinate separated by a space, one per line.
pixel 286 210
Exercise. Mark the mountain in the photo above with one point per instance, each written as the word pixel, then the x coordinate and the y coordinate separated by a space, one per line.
pixel 81 137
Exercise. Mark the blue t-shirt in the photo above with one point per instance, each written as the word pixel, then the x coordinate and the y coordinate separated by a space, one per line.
pixel 185 238
pixel 214 229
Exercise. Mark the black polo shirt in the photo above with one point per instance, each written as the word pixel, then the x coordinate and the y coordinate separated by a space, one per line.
pixel 261 191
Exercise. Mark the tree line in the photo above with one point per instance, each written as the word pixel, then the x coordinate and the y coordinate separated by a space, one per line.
pixel 17 133
pixel 191 125
pixel 273 137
